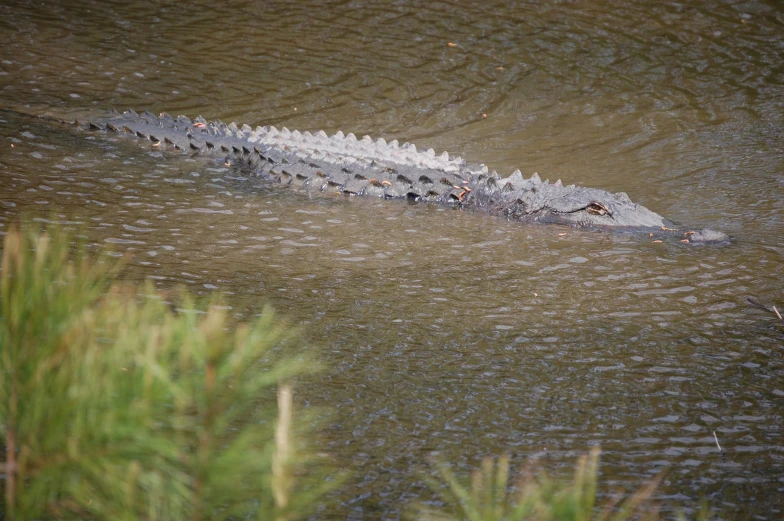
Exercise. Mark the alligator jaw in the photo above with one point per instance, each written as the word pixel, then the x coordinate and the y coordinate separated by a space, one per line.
pixel 344 164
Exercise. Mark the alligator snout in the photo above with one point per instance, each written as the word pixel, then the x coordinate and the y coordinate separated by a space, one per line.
pixel 708 236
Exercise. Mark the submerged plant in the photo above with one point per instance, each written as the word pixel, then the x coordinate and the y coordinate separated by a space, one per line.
pixel 489 497
pixel 114 406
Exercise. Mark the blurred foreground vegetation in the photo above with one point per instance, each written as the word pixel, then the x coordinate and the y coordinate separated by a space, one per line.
pixel 490 495
pixel 116 406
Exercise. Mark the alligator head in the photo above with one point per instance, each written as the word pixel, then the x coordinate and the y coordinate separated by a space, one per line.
pixel 541 201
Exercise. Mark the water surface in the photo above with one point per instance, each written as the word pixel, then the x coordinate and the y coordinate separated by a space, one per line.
pixel 450 333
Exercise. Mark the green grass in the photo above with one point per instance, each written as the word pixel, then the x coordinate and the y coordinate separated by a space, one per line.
pixel 490 496
pixel 114 407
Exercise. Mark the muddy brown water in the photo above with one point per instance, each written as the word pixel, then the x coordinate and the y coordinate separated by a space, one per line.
pixel 450 333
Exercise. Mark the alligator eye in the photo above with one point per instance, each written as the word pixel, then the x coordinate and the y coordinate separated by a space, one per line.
pixel 597 209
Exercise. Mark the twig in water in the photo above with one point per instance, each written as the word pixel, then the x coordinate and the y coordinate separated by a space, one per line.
pixel 717 441
pixel 777 313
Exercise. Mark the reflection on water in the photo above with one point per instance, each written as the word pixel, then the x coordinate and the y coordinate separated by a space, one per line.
pixel 448 332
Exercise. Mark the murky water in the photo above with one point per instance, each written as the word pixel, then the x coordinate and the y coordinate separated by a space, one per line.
pixel 449 332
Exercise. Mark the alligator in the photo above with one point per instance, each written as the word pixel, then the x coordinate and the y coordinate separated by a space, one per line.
pixel 344 164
